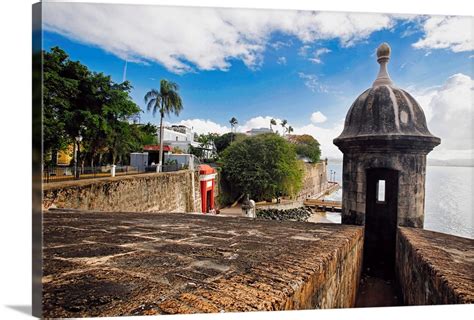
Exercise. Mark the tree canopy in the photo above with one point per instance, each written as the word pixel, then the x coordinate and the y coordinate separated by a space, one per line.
pixel 223 141
pixel 78 101
pixel 306 146
pixel 265 166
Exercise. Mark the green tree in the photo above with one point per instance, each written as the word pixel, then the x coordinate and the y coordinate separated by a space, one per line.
pixel 78 101
pixel 263 166
pixel 165 101
pixel 207 139
pixel 133 137
pixel 272 123
pixel 306 146
pixel 60 86
pixel 223 141
pixel 146 135
pixel 283 124
pixel 119 141
pixel 233 123
pixel 196 151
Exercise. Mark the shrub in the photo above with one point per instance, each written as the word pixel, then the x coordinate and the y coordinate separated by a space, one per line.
pixel 264 166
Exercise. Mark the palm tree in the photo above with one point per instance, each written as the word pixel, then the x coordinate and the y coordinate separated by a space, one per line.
pixel 283 124
pixel 272 123
pixel 290 129
pixel 165 101
pixel 233 122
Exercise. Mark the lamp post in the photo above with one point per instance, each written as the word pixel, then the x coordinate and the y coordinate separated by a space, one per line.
pixel 77 146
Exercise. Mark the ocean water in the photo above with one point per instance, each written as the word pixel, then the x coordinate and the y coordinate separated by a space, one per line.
pixel 448 199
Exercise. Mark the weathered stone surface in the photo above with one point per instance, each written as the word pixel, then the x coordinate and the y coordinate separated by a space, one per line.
pixel 434 268
pixel 111 264
pixel 411 190
pixel 157 192
pixel 315 181
pixel 382 111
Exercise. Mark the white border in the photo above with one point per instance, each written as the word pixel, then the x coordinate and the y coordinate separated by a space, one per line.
pixel 15 157
pixel 438 7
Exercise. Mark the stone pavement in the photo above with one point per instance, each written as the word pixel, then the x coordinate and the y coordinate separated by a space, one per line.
pixel 110 264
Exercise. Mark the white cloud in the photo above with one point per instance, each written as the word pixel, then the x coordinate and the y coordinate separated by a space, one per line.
pixel 317 55
pixel 184 39
pixel 449 111
pixel 277 45
pixel 453 33
pixel 311 81
pixel 201 126
pixel 281 60
pixel 259 122
pixel 318 117
pixel 303 51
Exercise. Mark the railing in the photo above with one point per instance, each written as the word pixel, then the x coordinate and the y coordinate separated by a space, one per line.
pixel 56 174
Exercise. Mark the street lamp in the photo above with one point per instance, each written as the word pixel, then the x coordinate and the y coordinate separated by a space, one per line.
pixel 76 146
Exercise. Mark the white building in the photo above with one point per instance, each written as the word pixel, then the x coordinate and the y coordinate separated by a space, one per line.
pixel 179 136
pixel 257 131
pixel 177 133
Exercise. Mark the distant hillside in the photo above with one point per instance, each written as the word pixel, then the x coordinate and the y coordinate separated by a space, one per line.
pixel 333 160
pixel 451 162
pixel 432 162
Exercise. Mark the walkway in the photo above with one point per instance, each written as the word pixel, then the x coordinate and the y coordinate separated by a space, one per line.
pixel 111 264
pixel 376 292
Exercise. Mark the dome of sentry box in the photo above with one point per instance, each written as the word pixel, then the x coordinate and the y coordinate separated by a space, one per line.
pixel 385 114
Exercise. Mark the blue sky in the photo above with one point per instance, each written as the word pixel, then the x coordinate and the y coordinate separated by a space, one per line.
pixel 259 68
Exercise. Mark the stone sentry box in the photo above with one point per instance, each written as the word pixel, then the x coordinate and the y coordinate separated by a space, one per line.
pixel 385 142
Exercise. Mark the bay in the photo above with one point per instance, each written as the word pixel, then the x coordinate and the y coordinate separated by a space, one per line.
pixel 448 199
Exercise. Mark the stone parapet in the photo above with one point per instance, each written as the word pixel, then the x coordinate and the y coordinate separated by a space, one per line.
pixel 434 268
pixel 157 192
pixel 112 264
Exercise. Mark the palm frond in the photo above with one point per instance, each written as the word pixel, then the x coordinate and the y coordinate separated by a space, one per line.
pixel 153 93
pixel 151 105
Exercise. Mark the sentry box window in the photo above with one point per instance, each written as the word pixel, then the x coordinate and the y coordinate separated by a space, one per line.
pixel 381 191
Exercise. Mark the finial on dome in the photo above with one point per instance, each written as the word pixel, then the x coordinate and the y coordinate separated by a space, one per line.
pixel 383 52
pixel 383 55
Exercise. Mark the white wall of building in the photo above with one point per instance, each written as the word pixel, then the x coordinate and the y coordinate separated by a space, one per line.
pixel 172 134
pixel 178 137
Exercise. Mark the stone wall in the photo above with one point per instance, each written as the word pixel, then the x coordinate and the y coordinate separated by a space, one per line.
pixel 434 268
pixel 315 181
pixel 156 192
pixel 206 264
